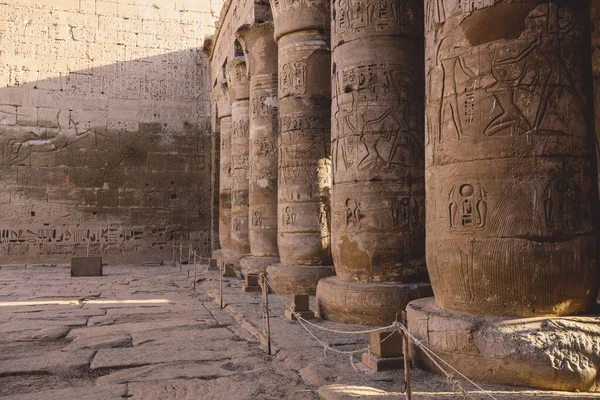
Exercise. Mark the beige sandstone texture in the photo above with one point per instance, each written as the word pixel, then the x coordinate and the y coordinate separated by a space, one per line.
pixel 304 192
pixel 378 203
pixel 261 59
pixel 184 347
pixel 104 128
pixel 511 191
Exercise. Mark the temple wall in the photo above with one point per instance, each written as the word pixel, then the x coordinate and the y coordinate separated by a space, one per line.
pixel 104 128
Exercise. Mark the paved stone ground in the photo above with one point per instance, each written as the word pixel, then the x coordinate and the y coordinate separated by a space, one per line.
pixel 142 332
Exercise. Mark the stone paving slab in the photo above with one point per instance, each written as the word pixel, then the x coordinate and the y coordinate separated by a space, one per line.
pixel 54 362
pixel 104 392
pixel 144 355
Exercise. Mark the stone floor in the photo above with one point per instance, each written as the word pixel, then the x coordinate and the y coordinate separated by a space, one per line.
pixel 142 332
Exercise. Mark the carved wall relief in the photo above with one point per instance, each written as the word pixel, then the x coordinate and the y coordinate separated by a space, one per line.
pixel 377 142
pixel 507 158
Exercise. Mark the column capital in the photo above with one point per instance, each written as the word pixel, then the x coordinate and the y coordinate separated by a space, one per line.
pixel 259 47
pixel 300 15
pixel 237 80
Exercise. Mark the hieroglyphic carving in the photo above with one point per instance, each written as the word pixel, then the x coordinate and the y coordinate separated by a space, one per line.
pixel 467 208
pixel 507 157
pixel 264 106
pixel 292 78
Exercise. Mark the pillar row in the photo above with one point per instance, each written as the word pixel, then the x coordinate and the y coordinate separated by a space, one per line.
pixel 510 191
pixel 260 52
pixel 378 203
pixel 304 182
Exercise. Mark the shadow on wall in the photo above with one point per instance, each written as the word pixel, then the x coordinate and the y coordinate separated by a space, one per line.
pixel 114 160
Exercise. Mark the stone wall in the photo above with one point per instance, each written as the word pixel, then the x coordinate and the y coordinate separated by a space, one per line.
pixel 104 128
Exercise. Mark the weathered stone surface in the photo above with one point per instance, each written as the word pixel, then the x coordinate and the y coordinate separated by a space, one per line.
pixel 100 342
pixel 261 59
pixel 104 115
pixel 237 81
pixel 86 266
pixel 225 183
pixel 144 355
pixel 378 204
pixel 176 370
pixel 304 183
pixel 297 278
pixel 101 392
pixel 366 303
pixel 545 352
pixel 509 181
pixel 48 333
pixel 54 362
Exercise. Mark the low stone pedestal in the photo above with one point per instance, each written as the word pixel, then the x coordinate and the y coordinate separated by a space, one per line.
pixel 386 351
pixel 297 278
pixel 213 265
pixel 256 265
pixel 375 304
pixel 557 353
pixel 301 306
pixel 251 284
pixel 228 272
pixel 86 266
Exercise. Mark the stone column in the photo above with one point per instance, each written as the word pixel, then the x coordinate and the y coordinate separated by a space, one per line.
pixel 378 204
pixel 224 128
pixel 238 84
pixel 511 192
pixel 261 59
pixel 302 35
pixel 215 178
pixel 595 17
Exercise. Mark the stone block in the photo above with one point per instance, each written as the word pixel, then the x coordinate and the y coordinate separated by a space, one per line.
pixel 301 306
pixel 86 266
pixel 300 302
pixel 251 283
pixel 228 271
pixel 212 265
pixel 378 364
pixel 386 344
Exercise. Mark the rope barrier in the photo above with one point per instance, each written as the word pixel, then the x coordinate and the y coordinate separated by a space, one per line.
pixel 394 327
pixel 431 354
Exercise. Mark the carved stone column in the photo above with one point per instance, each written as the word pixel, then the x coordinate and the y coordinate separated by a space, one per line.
pixel 595 17
pixel 510 192
pixel 378 205
pixel 238 84
pixel 224 128
pixel 261 59
pixel 302 35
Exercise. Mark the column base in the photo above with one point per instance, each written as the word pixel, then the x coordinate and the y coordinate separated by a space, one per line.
pixel 233 258
pixel 290 279
pixel 366 303
pixel 556 353
pixel 256 265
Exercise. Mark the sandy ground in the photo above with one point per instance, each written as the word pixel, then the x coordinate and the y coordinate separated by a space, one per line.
pixel 143 332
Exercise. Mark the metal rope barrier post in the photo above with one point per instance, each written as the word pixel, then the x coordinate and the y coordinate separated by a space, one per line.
pixel 180 255
pixel 265 289
pixel 221 284
pixel 189 260
pixel 406 352
pixel 174 263
pixel 195 253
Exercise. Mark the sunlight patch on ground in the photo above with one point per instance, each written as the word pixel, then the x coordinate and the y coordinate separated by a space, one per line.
pixel 80 302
